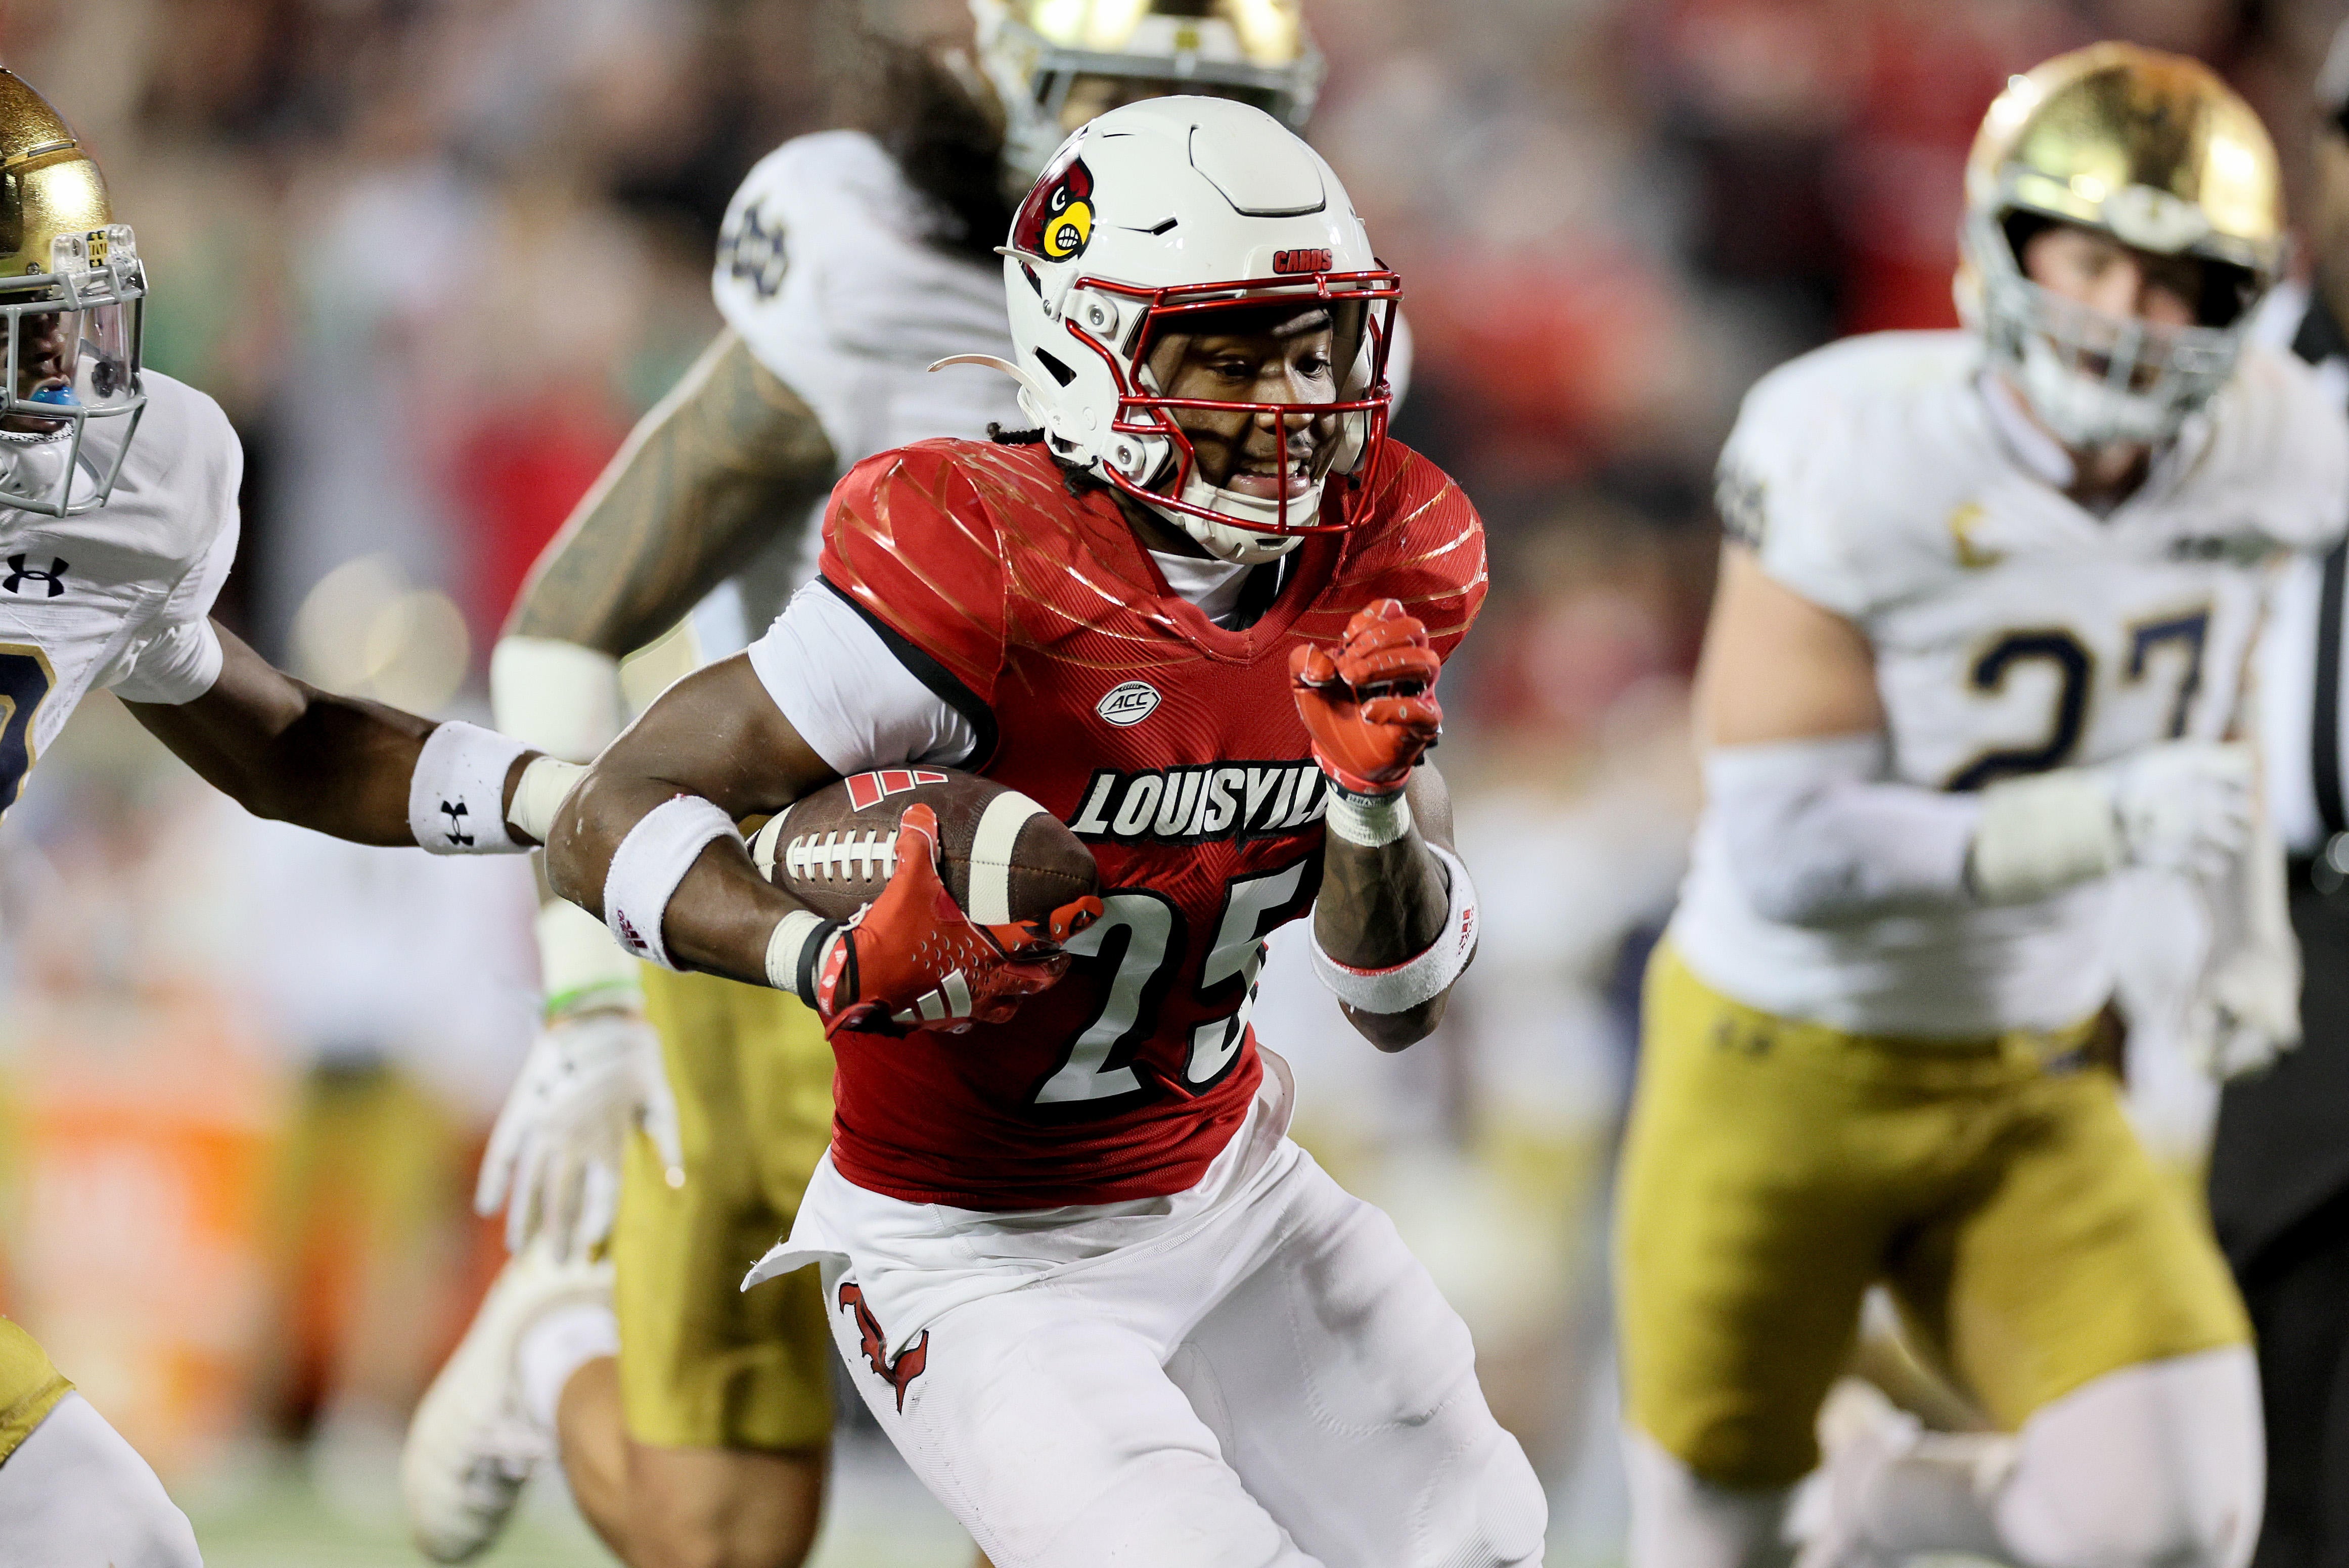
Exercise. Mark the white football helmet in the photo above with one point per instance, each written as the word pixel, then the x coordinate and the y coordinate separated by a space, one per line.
pixel 1053 61
pixel 1147 217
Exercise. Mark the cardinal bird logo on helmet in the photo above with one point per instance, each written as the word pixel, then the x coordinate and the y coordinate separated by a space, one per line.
pixel 1056 221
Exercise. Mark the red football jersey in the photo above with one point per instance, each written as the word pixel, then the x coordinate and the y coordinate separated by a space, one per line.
pixel 1171 746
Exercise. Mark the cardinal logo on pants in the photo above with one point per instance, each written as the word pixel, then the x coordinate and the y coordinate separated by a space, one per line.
pixel 910 1361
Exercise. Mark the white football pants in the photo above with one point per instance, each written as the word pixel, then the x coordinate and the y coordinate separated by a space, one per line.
pixel 2160 1465
pixel 75 1495
pixel 1280 1387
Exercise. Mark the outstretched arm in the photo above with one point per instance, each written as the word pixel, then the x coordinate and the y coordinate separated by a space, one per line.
pixel 731 459
pixel 283 749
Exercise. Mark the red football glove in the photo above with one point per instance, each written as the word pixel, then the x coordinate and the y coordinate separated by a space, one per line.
pixel 912 959
pixel 1370 707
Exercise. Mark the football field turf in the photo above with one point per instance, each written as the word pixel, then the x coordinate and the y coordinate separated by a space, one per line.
pixel 278 1516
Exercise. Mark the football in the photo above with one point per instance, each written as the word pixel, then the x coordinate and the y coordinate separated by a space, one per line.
pixel 1006 858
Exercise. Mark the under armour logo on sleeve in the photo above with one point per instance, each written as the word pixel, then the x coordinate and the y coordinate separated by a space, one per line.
pixel 19 574
pixel 455 813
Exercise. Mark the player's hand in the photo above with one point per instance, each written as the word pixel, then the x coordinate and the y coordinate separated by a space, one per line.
pixel 2247 1013
pixel 590 1080
pixel 912 959
pixel 2184 806
pixel 2245 1010
pixel 1369 704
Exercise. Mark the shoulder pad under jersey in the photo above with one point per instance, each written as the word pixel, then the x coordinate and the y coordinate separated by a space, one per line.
pixel 1838 455
pixel 1422 544
pixel 2280 451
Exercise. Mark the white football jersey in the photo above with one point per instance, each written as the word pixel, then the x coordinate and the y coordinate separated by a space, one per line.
pixel 825 269
pixel 2013 631
pixel 120 596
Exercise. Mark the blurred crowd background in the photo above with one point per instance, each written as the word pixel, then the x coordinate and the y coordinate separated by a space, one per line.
pixel 435 256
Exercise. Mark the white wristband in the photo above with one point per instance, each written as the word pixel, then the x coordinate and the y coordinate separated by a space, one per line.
pixel 579 964
pixel 794 950
pixel 1370 820
pixel 2041 834
pixel 456 797
pixel 1405 985
pixel 649 863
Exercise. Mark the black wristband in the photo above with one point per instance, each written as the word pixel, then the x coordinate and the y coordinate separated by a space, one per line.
pixel 805 984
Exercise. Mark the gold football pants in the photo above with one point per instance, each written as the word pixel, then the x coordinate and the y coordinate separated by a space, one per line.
pixel 30 1386
pixel 704 1363
pixel 1773 1170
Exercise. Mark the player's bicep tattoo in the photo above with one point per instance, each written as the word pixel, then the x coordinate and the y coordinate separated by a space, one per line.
pixel 731 458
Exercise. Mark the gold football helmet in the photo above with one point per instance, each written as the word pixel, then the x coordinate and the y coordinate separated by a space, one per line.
pixel 73 299
pixel 1056 63
pixel 2156 151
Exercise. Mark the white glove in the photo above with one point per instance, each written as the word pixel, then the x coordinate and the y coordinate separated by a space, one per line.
pixel 2245 1011
pixel 2184 806
pixel 554 1161
pixel 2180 806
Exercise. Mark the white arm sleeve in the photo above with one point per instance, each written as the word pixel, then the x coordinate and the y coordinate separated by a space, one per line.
pixel 180 658
pixel 848 695
pixel 1817 836
pixel 555 697
pixel 177 665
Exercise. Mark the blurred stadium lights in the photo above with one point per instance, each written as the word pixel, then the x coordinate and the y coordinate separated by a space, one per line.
pixel 364 629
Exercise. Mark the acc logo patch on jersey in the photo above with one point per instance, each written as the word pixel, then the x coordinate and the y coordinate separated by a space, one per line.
pixel 1056 221
pixel 1129 704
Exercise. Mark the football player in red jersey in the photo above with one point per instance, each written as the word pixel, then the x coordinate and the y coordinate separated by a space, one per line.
pixel 1096 1296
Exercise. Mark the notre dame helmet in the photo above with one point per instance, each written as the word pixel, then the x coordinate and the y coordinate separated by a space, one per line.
pixel 72 299
pixel 2156 151
pixel 1056 63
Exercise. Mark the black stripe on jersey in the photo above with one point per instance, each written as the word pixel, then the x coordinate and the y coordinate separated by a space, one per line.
pixel 941 681
pixel 2324 735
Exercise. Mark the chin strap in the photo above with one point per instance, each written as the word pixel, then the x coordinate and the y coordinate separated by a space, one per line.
pixel 1227 541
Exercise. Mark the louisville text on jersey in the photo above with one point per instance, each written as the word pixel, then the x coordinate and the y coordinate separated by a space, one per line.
pixel 1198 804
